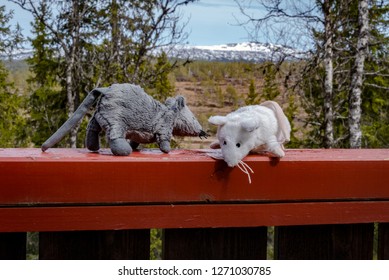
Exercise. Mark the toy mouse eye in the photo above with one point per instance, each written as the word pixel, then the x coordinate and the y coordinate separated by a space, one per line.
pixel 238 145
pixel 225 143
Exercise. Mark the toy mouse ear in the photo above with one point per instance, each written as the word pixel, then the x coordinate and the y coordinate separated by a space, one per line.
pixel 175 103
pixel 217 120
pixel 180 102
pixel 249 125
pixel 170 102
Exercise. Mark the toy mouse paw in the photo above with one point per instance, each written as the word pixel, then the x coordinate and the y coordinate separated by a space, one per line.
pixel 120 147
pixel 164 146
pixel 277 152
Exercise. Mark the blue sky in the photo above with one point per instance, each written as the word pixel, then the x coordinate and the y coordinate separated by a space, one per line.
pixel 214 22
pixel 210 22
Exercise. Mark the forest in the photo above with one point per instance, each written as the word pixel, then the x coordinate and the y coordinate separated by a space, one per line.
pixel 335 92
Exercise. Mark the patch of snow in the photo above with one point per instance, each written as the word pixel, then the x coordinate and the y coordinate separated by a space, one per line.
pixel 247 51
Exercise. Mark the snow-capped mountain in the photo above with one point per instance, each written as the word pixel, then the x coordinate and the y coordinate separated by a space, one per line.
pixel 253 52
pixel 250 51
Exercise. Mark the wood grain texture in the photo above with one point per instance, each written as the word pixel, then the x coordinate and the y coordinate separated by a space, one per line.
pixel 30 177
pixel 189 216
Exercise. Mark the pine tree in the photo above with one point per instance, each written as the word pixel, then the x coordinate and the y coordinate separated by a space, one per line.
pixel 12 121
pixel 270 87
pixel 252 96
pixel 47 102
pixel 161 88
pixel 232 96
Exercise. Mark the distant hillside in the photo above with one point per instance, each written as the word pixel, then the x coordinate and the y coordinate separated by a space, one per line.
pixel 247 52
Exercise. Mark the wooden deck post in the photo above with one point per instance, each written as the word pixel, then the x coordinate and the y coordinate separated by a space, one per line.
pixel 95 245
pixel 324 242
pixel 13 246
pixel 215 244
pixel 383 241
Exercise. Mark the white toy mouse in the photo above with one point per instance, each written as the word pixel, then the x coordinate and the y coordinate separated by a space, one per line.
pixel 255 128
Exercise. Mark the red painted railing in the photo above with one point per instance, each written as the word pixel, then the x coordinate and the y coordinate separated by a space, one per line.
pixel 323 204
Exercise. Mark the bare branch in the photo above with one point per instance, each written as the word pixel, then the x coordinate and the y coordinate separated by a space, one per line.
pixel 376 86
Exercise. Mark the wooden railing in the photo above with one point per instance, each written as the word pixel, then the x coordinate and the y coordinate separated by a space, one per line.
pixel 323 204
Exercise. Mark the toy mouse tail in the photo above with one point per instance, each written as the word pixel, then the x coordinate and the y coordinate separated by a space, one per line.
pixel 89 100
pixel 284 129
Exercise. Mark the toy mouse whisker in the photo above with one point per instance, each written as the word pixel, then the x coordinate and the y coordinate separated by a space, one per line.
pixel 203 134
pixel 245 168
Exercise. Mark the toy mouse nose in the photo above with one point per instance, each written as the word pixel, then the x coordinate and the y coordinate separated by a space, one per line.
pixel 231 163
pixel 203 134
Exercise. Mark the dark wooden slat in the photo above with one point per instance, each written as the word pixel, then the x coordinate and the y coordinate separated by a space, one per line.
pixel 215 243
pixel 13 246
pixel 344 242
pixel 383 241
pixel 95 245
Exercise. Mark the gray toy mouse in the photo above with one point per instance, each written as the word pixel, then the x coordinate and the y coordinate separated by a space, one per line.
pixel 126 111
